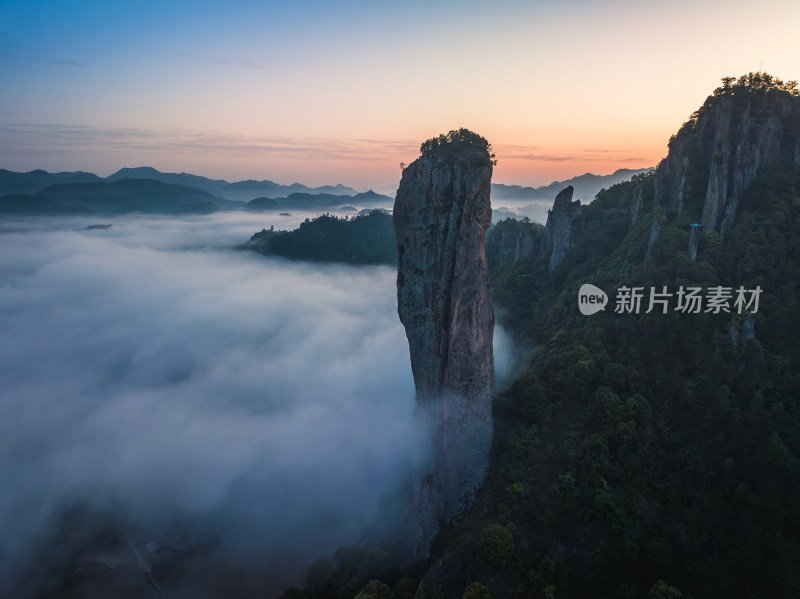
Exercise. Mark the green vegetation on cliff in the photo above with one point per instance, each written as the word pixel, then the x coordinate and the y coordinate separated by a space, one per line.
pixel 653 446
pixel 455 142
pixel 649 455
pixel 745 88
pixel 645 454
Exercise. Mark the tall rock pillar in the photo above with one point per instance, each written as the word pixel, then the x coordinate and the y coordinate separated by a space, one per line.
pixel 441 214
pixel 564 224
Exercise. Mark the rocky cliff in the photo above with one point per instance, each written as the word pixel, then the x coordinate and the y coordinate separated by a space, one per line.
pixel 746 127
pixel 512 240
pixel 692 244
pixel 441 214
pixel 564 224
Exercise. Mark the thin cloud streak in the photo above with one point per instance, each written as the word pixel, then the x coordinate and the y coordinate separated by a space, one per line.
pixel 56 138
pixel 534 153
pixel 52 139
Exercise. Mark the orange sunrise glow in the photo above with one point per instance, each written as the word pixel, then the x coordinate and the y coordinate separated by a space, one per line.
pixel 343 95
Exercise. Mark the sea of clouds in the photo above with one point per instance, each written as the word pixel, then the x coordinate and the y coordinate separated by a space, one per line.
pixel 154 375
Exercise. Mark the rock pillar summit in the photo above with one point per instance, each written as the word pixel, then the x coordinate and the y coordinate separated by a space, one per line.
pixel 441 214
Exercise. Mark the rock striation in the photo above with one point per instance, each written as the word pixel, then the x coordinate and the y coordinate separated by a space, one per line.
pixel 441 214
pixel 637 203
pixel 743 331
pixel 564 225
pixel 747 127
pixel 740 149
pixel 692 244
pixel 511 241
pixel 523 245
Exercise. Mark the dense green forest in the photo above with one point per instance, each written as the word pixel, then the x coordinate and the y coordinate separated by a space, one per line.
pixel 640 454
pixel 647 447
pixel 365 239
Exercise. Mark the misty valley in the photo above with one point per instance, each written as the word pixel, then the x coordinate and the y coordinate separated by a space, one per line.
pixel 312 397
pixel 225 416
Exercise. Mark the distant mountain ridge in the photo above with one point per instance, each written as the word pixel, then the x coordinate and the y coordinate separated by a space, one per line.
pixel 183 179
pixel 585 186
pixel 239 190
pixel 23 203
pixel 181 192
pixel 132 195
pixel 242 190
pixel 29 183
pixel 148 190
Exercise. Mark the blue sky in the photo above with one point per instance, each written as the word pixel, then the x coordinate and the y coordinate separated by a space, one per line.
pixel 343 92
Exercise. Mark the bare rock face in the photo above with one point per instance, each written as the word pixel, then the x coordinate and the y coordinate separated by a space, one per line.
pixel 636 204
pixel 693 245
pixel 743 332
pixel 523 245
pixel 441 214
pixel 513 243
pixel 713 159
pixel 672 182
pixel 564 224
pixel 741 148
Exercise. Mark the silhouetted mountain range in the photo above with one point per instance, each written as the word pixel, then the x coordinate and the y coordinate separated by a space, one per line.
pixel 23 203
pixel 145 189
pixel 240 190
pixel 131 195
pixel 30 183
pixel 183 179
pixel 247 189
pixel 586 186
pixel 148 190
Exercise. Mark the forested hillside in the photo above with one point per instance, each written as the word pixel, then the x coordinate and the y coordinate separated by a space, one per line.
pixel 651 446
pixel 365 239
pixel 651 449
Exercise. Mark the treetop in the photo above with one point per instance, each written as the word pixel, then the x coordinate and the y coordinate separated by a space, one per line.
pixel 456 141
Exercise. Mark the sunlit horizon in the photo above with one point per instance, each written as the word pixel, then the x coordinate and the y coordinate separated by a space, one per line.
pixel 322 94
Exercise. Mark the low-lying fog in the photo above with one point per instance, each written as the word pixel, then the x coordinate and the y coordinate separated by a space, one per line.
pixel 159 386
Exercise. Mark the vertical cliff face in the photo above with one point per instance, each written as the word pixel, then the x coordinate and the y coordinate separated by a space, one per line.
pixel 441 214
pixel 524 245
pixel 514 243
pixel 740 131
pixel 672 185
pixel 692 244
pixel 743 144
pixel 564 224
pixel 510 241
pixel 636 204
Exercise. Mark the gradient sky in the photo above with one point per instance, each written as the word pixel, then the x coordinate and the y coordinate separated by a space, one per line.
pixel 342 92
